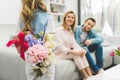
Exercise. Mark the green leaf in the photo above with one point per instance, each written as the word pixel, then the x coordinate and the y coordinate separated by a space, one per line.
pixel 117 52
pixel 38 72
pixel 37 36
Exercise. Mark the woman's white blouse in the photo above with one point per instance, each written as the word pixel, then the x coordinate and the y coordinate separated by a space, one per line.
pixel 65 41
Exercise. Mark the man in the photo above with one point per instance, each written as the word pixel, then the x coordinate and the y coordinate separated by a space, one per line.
pixel 91 42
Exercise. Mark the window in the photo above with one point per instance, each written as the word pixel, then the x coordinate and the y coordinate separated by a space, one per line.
pixel 102 11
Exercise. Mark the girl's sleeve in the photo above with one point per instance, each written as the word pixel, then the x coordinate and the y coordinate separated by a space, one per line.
pixel 50 28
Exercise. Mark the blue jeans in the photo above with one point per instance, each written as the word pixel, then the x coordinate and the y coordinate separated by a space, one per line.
pixel 98 56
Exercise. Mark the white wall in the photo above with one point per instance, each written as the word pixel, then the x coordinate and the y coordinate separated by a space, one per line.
pixel 72 5
pixel 9 11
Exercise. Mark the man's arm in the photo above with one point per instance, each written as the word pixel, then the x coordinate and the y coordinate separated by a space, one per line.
pixel 77 34
pixel 95 38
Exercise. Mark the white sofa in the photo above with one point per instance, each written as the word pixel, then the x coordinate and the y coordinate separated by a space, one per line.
pixel 13 68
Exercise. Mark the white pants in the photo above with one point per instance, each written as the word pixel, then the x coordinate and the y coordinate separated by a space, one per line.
pixel 80 62
pixel 49 75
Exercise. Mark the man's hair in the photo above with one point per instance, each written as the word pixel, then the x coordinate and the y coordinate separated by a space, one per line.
pixel 92 19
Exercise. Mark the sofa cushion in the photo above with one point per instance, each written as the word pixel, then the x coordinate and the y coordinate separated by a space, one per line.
pixel 106 42
pixel 114 40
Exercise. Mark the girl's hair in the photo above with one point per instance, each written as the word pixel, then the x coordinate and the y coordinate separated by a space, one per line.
pixel 64 18
pixel 28 9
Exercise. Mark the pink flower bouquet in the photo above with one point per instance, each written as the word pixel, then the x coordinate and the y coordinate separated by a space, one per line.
pixel 37 56
pixel 40 53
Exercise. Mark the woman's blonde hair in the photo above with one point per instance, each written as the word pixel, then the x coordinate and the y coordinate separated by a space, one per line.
pixel 64 18
pixel 28 9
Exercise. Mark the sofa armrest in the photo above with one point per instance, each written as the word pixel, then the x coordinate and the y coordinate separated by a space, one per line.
pixel 12 67
pixel 114 40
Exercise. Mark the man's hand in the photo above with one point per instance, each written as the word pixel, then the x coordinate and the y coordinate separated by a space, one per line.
pixel 88 42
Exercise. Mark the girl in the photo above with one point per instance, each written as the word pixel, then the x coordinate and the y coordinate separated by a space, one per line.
pixel 34 18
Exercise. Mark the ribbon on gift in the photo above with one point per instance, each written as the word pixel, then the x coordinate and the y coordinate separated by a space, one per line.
pixel 19 43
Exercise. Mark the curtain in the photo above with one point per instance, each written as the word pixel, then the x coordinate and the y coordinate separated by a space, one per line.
pixel 102 10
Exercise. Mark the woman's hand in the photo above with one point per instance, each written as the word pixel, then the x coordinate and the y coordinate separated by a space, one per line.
pixel 79 52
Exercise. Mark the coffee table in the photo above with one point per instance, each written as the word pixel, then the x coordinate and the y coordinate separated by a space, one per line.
pixel 109 74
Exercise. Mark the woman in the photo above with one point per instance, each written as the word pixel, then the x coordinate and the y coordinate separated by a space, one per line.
pixel 34 18
pixel 67 48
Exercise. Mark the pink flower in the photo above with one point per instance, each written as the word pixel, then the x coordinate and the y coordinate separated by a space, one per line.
pixel 119 49
pixel 37 53
pixel 112 54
